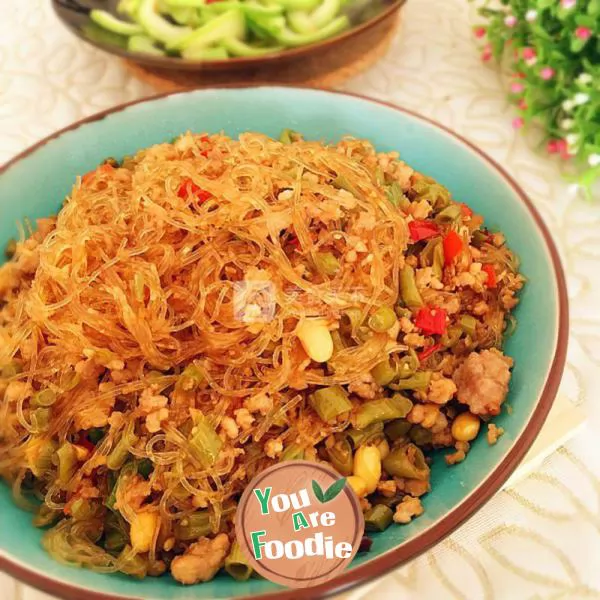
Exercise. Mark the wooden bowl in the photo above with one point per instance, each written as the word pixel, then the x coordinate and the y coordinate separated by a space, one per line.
pixel 325 63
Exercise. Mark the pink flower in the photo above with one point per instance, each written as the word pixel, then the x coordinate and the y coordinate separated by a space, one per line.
pixel 583 33
pixel 522 104
pixel 528 53
pixel 568 3
pixel 562 149
pixel 552 146
pixel 518 122
pixel 517 87
pixel 486 53
pixel 479 32
pixel 510 20
pixel 547 73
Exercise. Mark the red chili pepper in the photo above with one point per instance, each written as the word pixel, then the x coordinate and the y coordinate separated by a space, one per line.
pixel 491 281
pixel 453 246
pixel 422 230
pixel 188 187
pixel 466 210
pixel 425 354
pixel 431 320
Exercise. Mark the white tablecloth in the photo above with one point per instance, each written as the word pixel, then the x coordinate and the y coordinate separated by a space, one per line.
pixel 538 539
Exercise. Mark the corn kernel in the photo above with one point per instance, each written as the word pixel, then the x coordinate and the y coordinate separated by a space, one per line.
pixel 315 339
pixel 142 530
pixel 384 448
pixel 465 427
pixel 367 466
pixel 358 485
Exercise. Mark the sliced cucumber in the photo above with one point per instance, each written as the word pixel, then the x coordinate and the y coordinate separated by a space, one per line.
pixel 159 28
pixel 236 47
pixel 290 38
pixel 325 12
pixel 111 23
pixel 300 21
pixel 143 44
pixel 230 24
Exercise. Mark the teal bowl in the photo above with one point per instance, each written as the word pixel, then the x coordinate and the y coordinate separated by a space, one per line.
pixel 34 184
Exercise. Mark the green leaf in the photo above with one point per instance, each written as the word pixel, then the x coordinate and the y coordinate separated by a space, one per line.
pixel 577 44
pixel 334 489
pixel 593 7
pixel 318 491
pixel 542 4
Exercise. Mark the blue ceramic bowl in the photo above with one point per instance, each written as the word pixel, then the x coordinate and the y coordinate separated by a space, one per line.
pixel 35 183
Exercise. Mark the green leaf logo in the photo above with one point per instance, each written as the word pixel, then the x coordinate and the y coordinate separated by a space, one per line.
pixel 318 491
pixel 335 488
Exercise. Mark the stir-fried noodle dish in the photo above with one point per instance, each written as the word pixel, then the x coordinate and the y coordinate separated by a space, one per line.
pixel 209 307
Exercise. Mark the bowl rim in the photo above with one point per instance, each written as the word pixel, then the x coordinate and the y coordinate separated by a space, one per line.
pixel 485 490
pixel 171 63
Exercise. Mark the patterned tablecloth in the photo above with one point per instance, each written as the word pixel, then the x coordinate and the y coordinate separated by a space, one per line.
pixel 539 538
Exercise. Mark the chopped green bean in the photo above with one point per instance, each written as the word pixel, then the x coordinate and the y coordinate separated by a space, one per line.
pixel 417 381
pixel 343 183
pixel 205 444
pixel 382 409
pixel 397 429
pixel 83 509
pixel 236 563
pixel 406 461
pixel 329 402
pixel 67 462
pixel 383 373
pixel 408 365
pixel 408 288
pixel 44 398
pixel 378 517
pixel 396 196
pixel 292 452
pixel 419 435
pixel 193 526
pixel 40 417
pixel 120 452
pixel 326 263
pixel 358 437
pixel 468 324
pixel 340 455
pixel 451 337
pixel 382 319
pixel 450 214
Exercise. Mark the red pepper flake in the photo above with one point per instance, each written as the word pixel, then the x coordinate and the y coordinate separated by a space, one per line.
pixel 491 281
pixel 422 230
pixel 453 246
pixel 466 210
pixel 425 354
pixel 293 241
pixel 189 188
pixel 431 321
